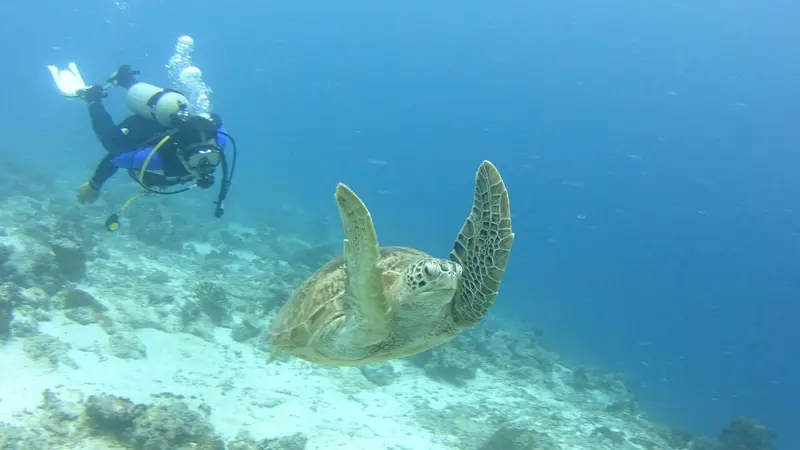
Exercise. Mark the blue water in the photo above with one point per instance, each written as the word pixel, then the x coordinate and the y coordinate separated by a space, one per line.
pixel 651 149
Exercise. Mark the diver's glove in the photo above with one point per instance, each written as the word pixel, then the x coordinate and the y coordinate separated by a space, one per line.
pixel 88 192
pixel 92 94
pixel 205 182
pixel 124 77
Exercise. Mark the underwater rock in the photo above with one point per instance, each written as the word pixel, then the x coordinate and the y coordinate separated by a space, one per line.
pixel 244 331
pixel 213 302
pixel 22 438
pixel 157 299
pixel 705 444
pixel 190 312
pixel 159 227
pixel 519 354
pixel 674 437
pixel 76 298
pixel 59 408
pixel 58 416
pixel 145 427
pixel 169 427
pixel 493 344
pixel 43 347
pixel 24 326
pixel 52 425
pixel 111 415
pixel 615 437
pixel 314 257
pixel 626 406
pixel 449 363
pixel 581 380
pixel 6 310
pixel 379 374
pixel 5 268
pixel 70 224
pixel 83 315
pixel 297 441
pixel 70 258
pixel 158 277
pixel 37 230
pixel 35 298
pixel 5 253
pixel 512 438
pixel 523 345
pixel 126 345
pixel 195 323
pixel 587 379
pixel 231 239
pixel 100 253
pixel 746 434
pixel 39 270
pixel 242 443
pixel 447 366
pixel 272 297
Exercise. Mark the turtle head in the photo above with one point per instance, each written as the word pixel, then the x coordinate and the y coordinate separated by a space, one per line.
pixel 430 281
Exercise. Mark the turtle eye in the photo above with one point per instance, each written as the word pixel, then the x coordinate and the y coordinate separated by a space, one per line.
pixel 430 270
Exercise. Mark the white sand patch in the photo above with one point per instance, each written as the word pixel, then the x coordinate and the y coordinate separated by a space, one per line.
pixel 335 407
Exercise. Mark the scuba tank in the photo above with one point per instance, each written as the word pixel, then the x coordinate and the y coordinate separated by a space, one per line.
pixel 166 106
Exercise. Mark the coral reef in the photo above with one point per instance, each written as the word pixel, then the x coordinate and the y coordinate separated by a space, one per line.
pixel 453 363
pixel 510 438
pixel 5 257
pixel 244 330
pixel 379 374
pixel 213 302
pixel 70 258
pixel 152 338
pixel 6 310
pixel 43 347
pixel 77 298
pixel 746 434
pixel 116 422
pixel 296 441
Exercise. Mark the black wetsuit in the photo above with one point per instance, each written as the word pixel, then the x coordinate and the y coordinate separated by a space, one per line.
pixel 134 134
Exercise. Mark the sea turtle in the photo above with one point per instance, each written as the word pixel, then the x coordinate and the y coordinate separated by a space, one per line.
pixel 377 304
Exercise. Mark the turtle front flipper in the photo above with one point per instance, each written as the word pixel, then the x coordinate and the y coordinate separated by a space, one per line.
pixel 365 288
pixel 482 247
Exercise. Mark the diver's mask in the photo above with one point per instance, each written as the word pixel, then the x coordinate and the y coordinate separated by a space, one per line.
pixel 202 159
pixel 203 153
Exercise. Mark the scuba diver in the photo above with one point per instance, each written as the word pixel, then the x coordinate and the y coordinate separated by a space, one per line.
pixel 161 145
pixel 169 145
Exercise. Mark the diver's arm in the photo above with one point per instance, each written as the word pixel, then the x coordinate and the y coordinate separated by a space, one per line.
pixel 110 135
pixel 102 123
pixel 117 138
pixel 127 160
pixel 103 172
pixel 88 192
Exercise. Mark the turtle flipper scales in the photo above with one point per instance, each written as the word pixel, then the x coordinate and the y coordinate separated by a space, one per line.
pixel 365 287
pixel 482 247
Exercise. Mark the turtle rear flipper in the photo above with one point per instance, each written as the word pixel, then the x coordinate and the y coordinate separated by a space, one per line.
pixel 482 247
pixel 365 288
